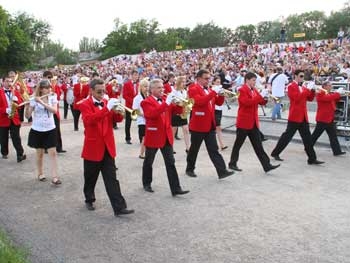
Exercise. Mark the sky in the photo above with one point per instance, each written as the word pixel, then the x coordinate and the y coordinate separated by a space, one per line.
pixel 72 20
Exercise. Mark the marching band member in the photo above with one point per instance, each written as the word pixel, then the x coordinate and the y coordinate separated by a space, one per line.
pixel 68 96
pixel 202 124
pixel 298 118
pixel 136 105
pixel 99 148
pixel 57 90
pixel 248 123
pixel 10 122
pixel 80 91
pixel 130 90
pixel 325 116
pixel 43 134
pixel 113 91
pixel 159 136
pixel 180 120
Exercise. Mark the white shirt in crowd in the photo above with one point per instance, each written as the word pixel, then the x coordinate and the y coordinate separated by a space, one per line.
pixel 43 119
pixel 278 85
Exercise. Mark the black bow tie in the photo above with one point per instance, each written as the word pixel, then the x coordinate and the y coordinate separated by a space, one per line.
pixel 159 99
pixel 300 84
pixel 8 91
pixel 99 103
pixel 206 88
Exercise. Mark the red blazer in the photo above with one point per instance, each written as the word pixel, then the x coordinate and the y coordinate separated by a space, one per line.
pixel 297 108
pixel 167 88
pixel 64 89
pixel 112 93
pixel 58 92
pixel 80 92
pixel 98 130
pixel 4 118
pixel 129 92
pixel 248 101
pixel 203 111
pixel 158 122
pixel 326 106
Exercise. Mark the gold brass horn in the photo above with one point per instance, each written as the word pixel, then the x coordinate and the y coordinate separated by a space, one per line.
pixel 229 94
pixel 276 99
pixel 133 113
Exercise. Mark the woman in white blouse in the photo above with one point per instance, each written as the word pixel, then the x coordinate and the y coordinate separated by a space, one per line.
pixel 136 105
pixel 43 134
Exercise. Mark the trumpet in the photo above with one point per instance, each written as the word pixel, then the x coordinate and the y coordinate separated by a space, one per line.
pixel 276 99
pixel 133 113
pixel 229 94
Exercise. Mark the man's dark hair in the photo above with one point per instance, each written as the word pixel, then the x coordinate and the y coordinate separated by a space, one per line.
pixel 249 76
pixel 95 82
pixel 95 74
pixel 47 74
pixel 296 73
pixel 201 72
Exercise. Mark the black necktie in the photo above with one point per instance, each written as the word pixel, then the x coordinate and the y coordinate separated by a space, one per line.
pixel 98 103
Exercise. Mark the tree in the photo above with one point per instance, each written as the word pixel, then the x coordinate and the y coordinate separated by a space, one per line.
pixel 206 35
pixel 247 33
pixel 89 45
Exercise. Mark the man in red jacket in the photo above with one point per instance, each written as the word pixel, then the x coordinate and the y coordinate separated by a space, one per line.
pixel 81 91
pixel 325 116
pixel 99 147
pixel 248 123
pixel 298 118
pixel 202 124
pixel 10 121
pixel 130 90
pixel 159 135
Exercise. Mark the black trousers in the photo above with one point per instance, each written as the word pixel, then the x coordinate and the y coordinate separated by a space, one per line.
pixel 127 126
pixel 76 115
pixel 286 137
pixel 21 113
pixel 65 109
pixel 212 147
pixel 58 129
pixel 168 156
pixel 108 170
pixel 332 135
pixel 255 139
pixel 15 137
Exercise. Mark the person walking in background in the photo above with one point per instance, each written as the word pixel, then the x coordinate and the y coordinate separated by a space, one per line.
pixel 325 116
pixel 218 116
pixel 130 90
pixel 298 118
pixel 141 123
pixel 80 91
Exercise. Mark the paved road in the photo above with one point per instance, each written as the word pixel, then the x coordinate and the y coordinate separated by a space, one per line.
pixel 297 213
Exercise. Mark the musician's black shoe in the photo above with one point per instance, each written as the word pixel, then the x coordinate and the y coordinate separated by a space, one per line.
pixel 340 153
pixel 179 191
pixel 264 139
pixel 277 158
pixel 124 212
pixel 315 162
pixel 271 167
pixel 234 167
pixel 61 151
pixel 21 158
pixel 128 142
pixel 225 174
pixel 191 174
pixel 148 188
pixel 90 206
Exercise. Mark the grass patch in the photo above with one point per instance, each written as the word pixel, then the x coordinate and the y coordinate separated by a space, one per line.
pixel 9 253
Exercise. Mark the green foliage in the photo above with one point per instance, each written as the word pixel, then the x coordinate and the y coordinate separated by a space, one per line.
pixel 10 254
pixel 247 33
pixel 89 45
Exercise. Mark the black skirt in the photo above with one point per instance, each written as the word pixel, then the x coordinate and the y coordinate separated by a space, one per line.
pixel 218 115
pixel 177 121
pixel 42 140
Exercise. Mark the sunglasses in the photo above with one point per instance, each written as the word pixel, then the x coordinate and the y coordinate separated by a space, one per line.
pixel 301 76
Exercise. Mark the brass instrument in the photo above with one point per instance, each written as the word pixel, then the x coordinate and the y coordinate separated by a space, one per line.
pixel 277 100
pixel 186 104
pixel 229 94
pixel 23 90
pixel 14 107
pixel 133 113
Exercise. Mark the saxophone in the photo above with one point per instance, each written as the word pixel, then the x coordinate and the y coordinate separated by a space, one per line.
pixel 14 107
